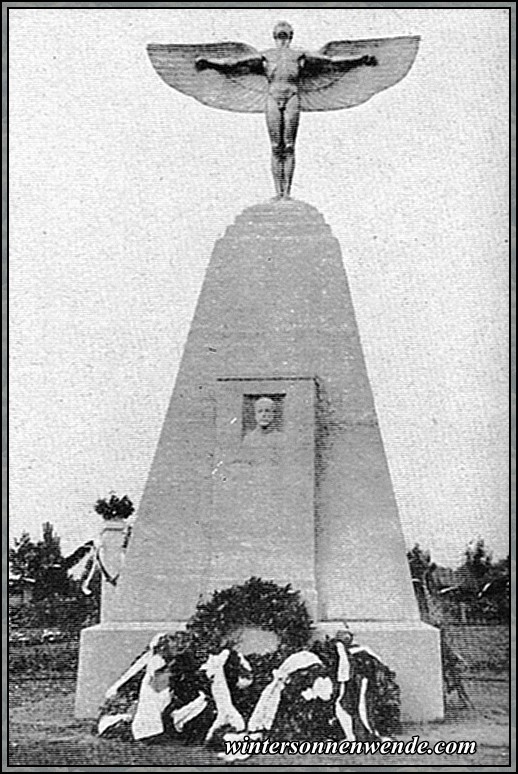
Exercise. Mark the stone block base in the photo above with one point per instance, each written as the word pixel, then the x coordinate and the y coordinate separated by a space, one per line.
pixel 413 652
pixel 105 652
pixel 411 649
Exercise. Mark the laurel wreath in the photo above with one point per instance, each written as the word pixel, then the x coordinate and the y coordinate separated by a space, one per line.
pixel 256 603
pixel 278 609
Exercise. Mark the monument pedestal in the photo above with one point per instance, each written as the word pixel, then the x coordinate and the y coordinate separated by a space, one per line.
pixel 411 650
pixel 105 652
pixel 274 318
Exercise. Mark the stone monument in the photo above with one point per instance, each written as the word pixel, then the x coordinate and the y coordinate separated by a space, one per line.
pixel 270 462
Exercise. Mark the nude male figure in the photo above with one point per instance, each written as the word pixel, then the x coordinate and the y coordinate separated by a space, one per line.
pixel 283 67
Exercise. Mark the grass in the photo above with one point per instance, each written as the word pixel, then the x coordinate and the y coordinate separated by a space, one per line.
pixel 485 648
pixel 50 659
pixel 44 732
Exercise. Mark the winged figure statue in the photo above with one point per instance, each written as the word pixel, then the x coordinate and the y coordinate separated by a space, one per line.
pixel 281 82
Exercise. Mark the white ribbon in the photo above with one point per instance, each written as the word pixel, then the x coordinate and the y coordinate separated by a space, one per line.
pixel 244 681
pixel 343 676
pixel 188 712
pixel 151 703
pixel 214 667
pixel 364 649
pixel 343 673
pixel 226 713
pixel 266 708
pixel 97 562
pixel 134 669
pixel 111 720
pixel 322 688
pixel 140 663
pixel 148 705
pixel 362 708
pixel 85 586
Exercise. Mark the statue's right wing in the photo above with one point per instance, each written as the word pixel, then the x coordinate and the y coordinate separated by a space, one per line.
pixel 241 91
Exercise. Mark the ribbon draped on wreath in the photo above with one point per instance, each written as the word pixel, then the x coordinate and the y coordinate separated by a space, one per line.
pixel 331 689
pixel 94 556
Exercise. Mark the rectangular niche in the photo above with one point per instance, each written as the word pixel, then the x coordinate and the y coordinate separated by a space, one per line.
pixel 294 410
pixel 264 484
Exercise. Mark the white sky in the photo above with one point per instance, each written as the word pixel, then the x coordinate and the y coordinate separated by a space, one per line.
pixel 120 187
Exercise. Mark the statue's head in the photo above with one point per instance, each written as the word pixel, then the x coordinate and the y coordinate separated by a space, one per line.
pixel 283 32
pixel 264 409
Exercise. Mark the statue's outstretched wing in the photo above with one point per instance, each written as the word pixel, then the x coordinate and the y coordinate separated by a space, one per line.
pixel 242 91
pixel 332 87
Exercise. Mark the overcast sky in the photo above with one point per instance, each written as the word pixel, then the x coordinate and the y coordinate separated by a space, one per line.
pixel 121 185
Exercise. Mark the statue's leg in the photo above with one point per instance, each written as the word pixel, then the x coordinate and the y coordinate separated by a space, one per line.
pixel 274 122
pixel 291 124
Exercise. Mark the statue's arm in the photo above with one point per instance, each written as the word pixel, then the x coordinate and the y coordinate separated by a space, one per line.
pixel 316 62
pixel 251 64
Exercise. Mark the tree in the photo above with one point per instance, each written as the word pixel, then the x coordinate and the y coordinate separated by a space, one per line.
pixel 477 563
pixel 420 562
pixel 24 557
pixel 57 598
pixel 44 563
pixel 41 562
pixel 486 584
pixel 115 507
pixel 494 594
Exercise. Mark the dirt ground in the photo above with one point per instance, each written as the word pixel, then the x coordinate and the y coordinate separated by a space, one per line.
pixel 43 732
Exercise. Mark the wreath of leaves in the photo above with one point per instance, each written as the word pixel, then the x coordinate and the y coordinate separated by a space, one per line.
pixel 279 609
pixel 256 603
pixel 383 694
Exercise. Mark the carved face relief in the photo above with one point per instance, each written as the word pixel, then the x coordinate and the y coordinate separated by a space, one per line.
pixel 264 412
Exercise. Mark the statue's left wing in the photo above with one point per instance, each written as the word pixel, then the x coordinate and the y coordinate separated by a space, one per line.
pixel 241 90
pixel 332 86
